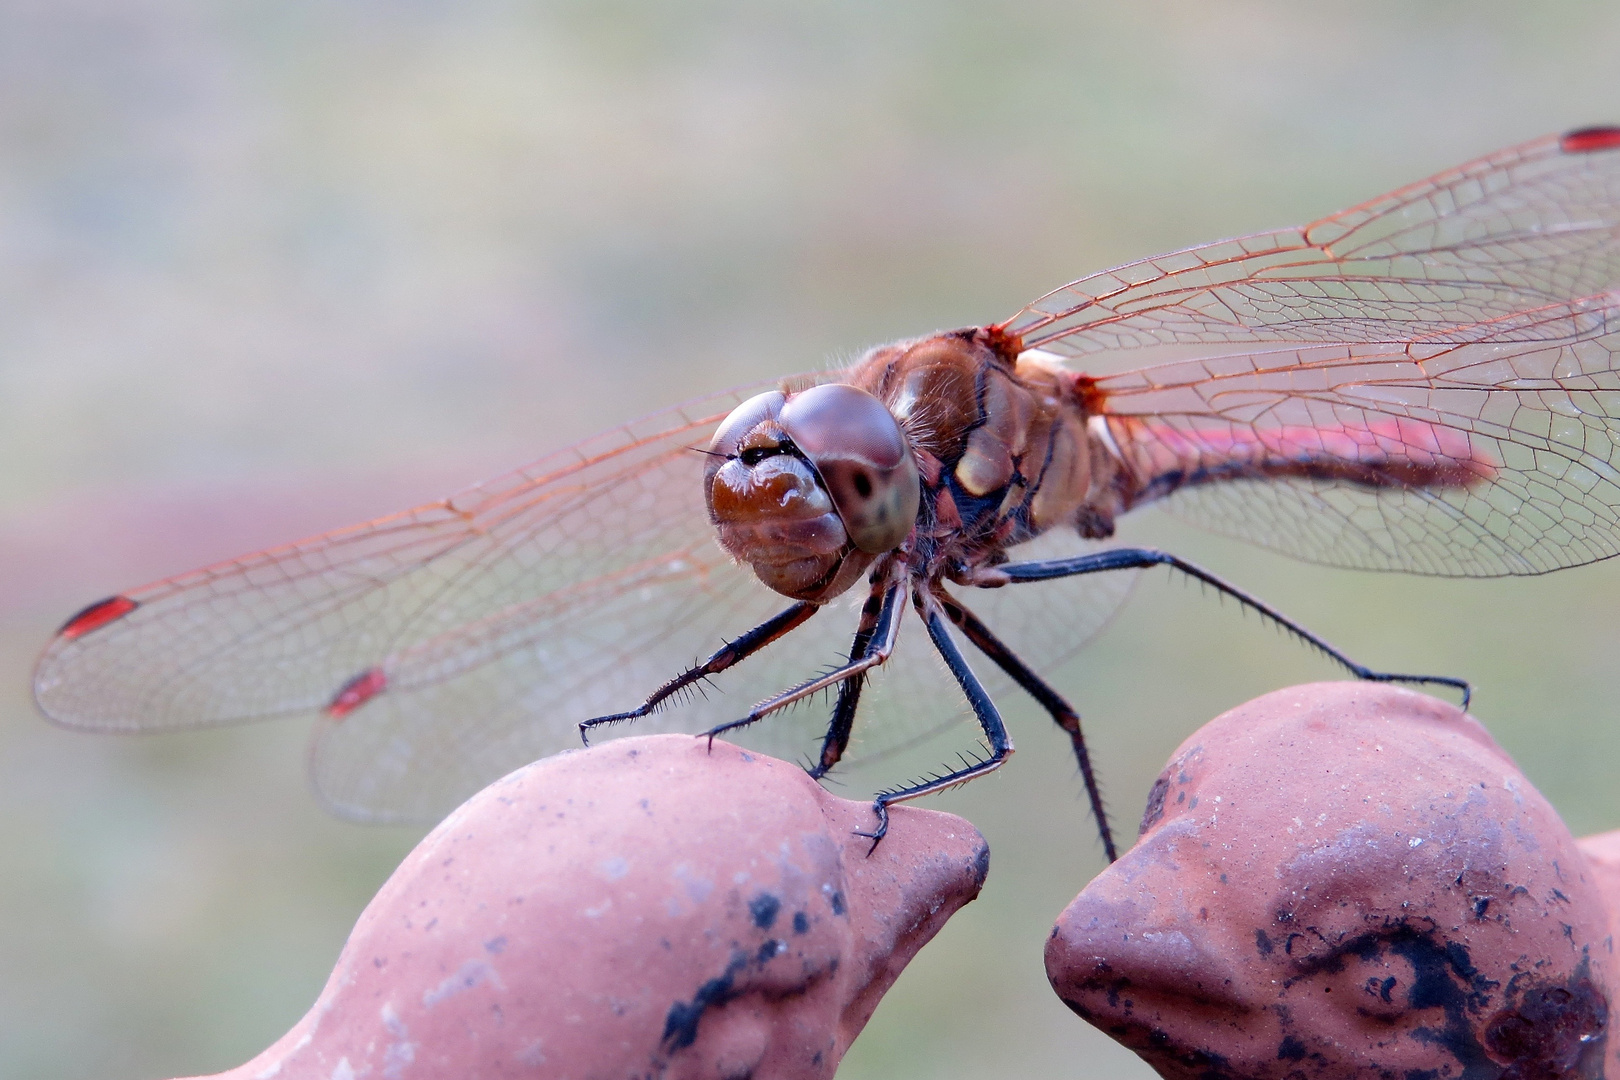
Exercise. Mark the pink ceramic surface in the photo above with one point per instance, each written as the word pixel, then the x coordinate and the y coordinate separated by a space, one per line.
pixel 1602 853
pixel 643 909
pixel 1345 880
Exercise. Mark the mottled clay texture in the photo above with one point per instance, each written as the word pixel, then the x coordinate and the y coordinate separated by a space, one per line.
pixel 1345 880
pixel 648 908
pixel 1603 859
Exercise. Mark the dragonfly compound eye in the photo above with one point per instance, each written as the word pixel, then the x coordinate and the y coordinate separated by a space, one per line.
pixel 864 461
pixel 771 509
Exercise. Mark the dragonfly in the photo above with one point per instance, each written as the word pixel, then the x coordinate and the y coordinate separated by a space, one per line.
pixel 1425 382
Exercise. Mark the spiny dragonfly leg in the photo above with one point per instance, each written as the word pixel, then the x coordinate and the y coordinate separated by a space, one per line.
pixel 885 634
pixel 836 740
pixel 735 652
pixel 995 732
pixel 1049 699
pixel 1135 558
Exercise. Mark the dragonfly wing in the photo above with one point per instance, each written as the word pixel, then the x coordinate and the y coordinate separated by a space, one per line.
pixel 413 753
pixel 1526 227
pixel 416 594
pixel 1424 382
pixel 1481 451
pixel 445 646
pixel 597 647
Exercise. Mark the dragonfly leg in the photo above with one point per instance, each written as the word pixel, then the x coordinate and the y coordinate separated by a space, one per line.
pixel 995 731
pixel 1049 699
pixel 836 740
pixel 885 634
pixel 1135 558
pixel 733 653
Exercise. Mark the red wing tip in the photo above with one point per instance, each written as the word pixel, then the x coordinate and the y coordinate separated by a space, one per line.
pixel 356 692
pixel 1585 140
pixel 96 616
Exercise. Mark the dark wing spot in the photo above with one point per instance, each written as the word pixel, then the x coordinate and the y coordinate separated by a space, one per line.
pixel 97 615
pixel 356 692
pixel 1586 140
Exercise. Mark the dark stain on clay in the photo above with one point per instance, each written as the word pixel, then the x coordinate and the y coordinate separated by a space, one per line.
pixel 1550 1029
pixel 681 1022
pixel 1204 1064
pixel 1175 774
pixel 1544 1030
pixel 1444 978
pixel 763 909
pixel 1541 1030
pixel 1155 805
pixel 1105 980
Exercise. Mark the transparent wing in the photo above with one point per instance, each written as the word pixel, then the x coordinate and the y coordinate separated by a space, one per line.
pixel 1434 384
pixel 415 754
pixel 1524 228
pixel 421 594
pixel 1483 451
pixel 452 643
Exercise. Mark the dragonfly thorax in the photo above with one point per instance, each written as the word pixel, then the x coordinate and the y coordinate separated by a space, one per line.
pixel 1002 443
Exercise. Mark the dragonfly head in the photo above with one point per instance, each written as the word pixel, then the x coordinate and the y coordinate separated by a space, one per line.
pixel 809 489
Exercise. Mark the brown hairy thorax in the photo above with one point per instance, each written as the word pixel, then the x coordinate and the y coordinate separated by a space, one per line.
pixel 1002 444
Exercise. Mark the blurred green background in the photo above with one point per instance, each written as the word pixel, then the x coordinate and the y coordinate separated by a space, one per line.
pixel 268 268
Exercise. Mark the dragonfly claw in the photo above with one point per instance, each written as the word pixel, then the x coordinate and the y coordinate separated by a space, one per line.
pixel 881 810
